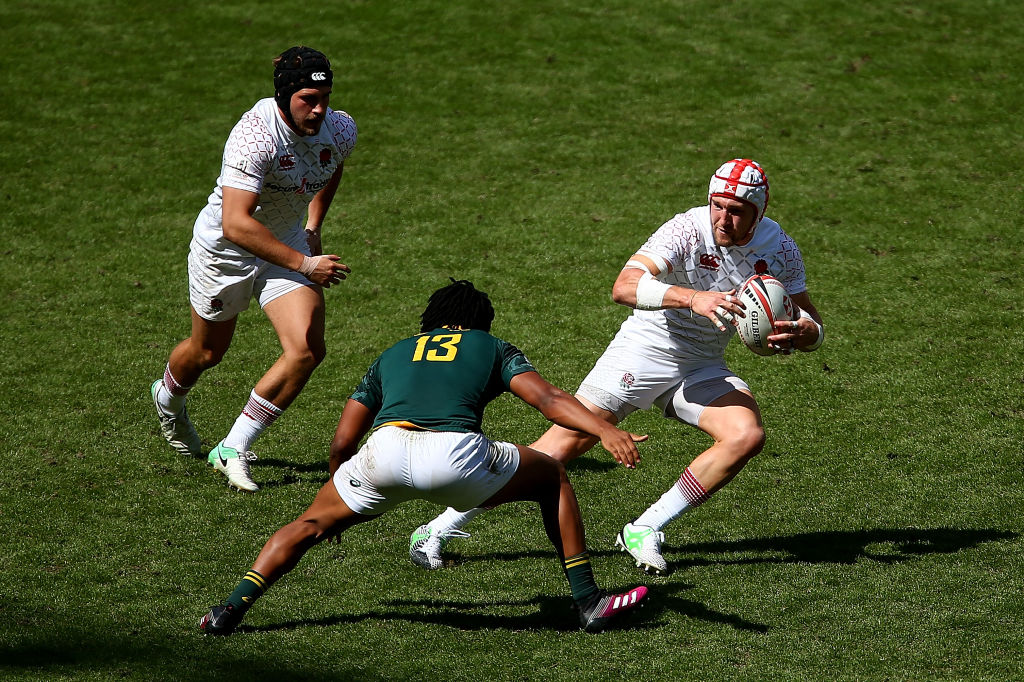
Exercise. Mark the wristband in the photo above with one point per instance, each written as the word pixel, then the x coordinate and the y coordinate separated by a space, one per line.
pixel 821 332
pixel 308 265
pixel 690 304
pixel 650 292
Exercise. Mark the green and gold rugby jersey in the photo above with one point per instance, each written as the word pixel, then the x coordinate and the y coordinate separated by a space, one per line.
pixel 440 380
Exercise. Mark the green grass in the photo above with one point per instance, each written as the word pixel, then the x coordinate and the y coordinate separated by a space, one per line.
pixel 530 147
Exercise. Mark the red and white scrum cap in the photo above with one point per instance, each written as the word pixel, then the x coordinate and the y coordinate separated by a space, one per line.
pixel 741 179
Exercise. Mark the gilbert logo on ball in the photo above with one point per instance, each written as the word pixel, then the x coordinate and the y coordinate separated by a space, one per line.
pixel 765 301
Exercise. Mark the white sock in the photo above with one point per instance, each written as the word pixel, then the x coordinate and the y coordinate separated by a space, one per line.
pixel 170 395
pixel 255 418
pixel 685 495
pixel 452 519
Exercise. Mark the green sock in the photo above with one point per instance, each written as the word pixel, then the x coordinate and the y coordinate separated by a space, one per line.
pixel 249 590
pixel 581 577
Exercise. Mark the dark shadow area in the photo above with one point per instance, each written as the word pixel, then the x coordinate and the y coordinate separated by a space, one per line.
pixel 57 652
pixel 552 613
pixel 593 464
pixel 549 613
pixel 887 545
pixel 315 467
pixel 80 654
pixel 831 547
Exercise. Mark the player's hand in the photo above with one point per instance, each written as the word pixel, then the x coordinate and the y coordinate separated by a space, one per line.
pixel 622 446
pixel 787 332
pixel 721 307
pixel 328 270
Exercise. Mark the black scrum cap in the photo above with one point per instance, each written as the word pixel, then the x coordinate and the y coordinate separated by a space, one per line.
pixel 298 68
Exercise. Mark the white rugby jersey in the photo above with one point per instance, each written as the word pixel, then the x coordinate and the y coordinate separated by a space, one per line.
pixel 687 244
pixel 263 155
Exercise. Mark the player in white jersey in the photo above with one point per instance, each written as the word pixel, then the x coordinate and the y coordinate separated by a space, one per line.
pixel 670 352
pixel 259 237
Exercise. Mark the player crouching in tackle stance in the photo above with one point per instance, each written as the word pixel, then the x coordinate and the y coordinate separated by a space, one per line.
pixel 670 351
pixel 423 399
pixel 259 237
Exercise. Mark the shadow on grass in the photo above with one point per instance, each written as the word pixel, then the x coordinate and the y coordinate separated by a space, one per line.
pixel 821 547
pixel 291 472
pixel 185 657
pixel 546 613
pixel 594 464
pixel 886 545
pixel 310 468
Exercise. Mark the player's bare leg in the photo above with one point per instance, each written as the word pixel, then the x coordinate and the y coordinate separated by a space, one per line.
pixel 734 423
pixel 543 480
pixel 205 347
pixel 298 319
pixel 326 518
pixel 565 444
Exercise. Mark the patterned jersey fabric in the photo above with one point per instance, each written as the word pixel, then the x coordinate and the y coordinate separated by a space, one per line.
pixel 264 156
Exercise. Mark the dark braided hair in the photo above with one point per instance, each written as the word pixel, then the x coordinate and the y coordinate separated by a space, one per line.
pixel 459 304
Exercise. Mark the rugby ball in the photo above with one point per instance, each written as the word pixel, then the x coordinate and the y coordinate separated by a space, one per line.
pixel 765 301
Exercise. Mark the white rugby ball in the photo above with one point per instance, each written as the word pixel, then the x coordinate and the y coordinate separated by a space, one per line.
pixel 766 301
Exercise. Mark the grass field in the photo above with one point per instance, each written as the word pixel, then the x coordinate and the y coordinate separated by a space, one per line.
pixel 531 147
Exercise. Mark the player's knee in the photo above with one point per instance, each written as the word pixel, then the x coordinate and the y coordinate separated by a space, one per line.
pixel 294 537
pixel 555 477
pixel 305 360
pixel 319 352
pixel 749 441
pixel 743 443
pixel 563 476
pixel 209 357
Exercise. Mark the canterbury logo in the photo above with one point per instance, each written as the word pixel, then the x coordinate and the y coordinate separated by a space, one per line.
pixel 319 76
pixel 709 262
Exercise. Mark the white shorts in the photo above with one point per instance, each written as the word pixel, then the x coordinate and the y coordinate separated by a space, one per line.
pixel 460 470
pixel 220 287
pixel 628 377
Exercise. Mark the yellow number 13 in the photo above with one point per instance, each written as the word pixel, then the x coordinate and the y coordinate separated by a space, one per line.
pixel 444 353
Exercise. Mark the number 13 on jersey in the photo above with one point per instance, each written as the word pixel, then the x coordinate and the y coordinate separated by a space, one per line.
pixel 443 348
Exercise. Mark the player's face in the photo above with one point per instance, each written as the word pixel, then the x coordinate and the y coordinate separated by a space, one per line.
pixel 309 106
pixel 732 221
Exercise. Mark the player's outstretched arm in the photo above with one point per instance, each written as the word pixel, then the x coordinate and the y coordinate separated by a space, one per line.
pixel 356 420
pixel 563 409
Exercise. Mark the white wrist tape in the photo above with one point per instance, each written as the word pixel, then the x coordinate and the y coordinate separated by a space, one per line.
pixel 821 332
pixel 650 292
pixel 308 265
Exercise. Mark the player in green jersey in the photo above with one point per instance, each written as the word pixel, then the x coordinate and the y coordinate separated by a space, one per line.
pixel 423 400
